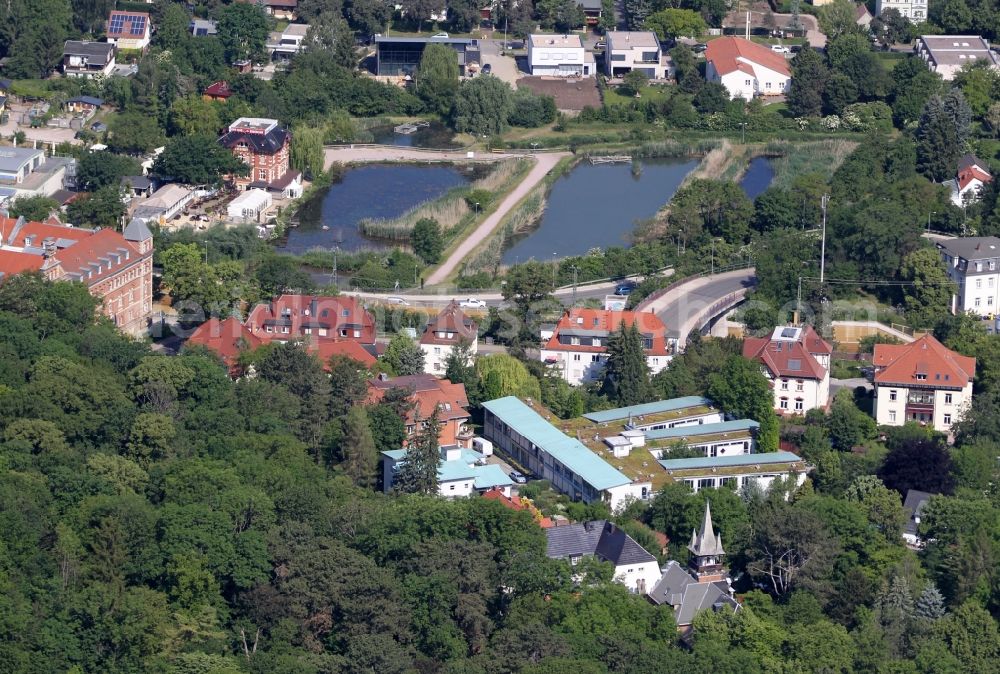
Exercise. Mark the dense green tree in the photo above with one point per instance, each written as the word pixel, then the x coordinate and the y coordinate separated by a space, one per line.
pixel 369 16
pixel 939 144
pixel 131 133
pixel 37 208
pixel 306 153
pixel 403 356
pixel 427 240
pixel 928 299
pixel 529 109
pixel 913 86
pixel 743 392
pixel 197 160
pixel 358 454
pixel 482 106
pixel 625 379
pixel 809 77
pixel 329 32
pixel 503 375
pixel 673 23
pixel 277 274
pixel 702 209
pixel 243 31
pixel 463 15
pixel 848 426
pixel 922 464
pixel 103 208
pixel 418 473
pixel 99 169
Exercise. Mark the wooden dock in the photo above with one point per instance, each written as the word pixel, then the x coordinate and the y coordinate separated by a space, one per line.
pixel 611 159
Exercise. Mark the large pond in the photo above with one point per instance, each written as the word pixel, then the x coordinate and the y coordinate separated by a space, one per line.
pixel 758 177
pixel 597 206
pixel 435 136
pixel 374 191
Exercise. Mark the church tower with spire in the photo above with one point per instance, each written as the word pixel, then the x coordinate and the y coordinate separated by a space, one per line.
pixel 707 554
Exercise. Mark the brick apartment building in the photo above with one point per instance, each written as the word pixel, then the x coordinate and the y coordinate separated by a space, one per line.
pixel 116 267
pixel 264 146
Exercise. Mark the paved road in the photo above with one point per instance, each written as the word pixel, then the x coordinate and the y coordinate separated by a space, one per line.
pixel 678 305
pixel 543 164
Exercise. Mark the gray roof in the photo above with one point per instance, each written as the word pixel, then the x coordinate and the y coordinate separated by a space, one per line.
pixel 706 542
pixel 137 182
pixel 969 160
pixel 677 588
pixel 136 230
pixel 590 4
pixel 598 538
pixel 957 50
pixel 972 247
pixel 914 505
pixel 94 50
pixel 89 100
pixel 13 158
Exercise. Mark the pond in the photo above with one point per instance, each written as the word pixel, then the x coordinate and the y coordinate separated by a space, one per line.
pixel 597 206
pixel 435 136
pixel 758 177
pixel 373 191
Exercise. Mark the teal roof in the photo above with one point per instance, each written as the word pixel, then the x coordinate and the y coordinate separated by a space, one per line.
pixel 486 477
pixel 490 476
pixel 657 407
pixel 737 426
pixel 730 461
pixel 568 451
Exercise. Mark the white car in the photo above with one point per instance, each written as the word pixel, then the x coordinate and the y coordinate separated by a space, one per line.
pixel 780 49
pixel 472 303
pixel 397 300
pixel 440 36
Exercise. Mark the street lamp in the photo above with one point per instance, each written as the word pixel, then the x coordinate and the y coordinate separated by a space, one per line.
pixel 929 220
pixel 822 255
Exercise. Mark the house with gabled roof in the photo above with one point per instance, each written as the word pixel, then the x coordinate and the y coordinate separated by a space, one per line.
pixel 129 30
pixel 227 337
pixel 427 393
pixel 325 317
pixel 704 586
pixel 635 567
pixel 796 361
pixel 88 59
pixel 746 69
pixel 971 176
pixel 923 381
pixel 443 333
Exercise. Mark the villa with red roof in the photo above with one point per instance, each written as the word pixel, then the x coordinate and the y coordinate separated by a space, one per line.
pixel 428 393
pixel 746 69
pixel 443 334
pixel 796 361
pixel 924 382
pixel 969 181
pixel 578 346
pixel 326 318
pixel 116 267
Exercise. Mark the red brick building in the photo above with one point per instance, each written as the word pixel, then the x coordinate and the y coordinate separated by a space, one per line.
pixel 429 393
pixel 117 268
pixel 263 145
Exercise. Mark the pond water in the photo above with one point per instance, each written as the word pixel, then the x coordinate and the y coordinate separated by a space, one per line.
pixel 758 177
pixel 598 206
pixel 436 136
pixel 374 191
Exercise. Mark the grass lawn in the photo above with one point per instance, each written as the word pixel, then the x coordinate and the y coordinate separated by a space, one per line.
pixel 890 59
pixel 655 93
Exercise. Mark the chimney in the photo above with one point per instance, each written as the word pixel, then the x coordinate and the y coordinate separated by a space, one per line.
pixel 49 248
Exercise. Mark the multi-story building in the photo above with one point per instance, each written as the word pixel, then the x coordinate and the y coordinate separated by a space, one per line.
pixel 27 172
pixel 578 347
pixel 635 567
pixel 530 440
pixel 736 470
pixel 294 317
pixel 660 414
pixel 283 45
pixel 263 144
pixel 973 263
pixel 399 56
pixel 129 30
pixel 88 59
pixel 947 54
pixel 924 382
pixel 443 333
pixel 914 11
pixel 725 438
pixel 115 267
pixel 559 56
pixel 746 69
pixel 796 360
pixel 428 393
pixel 462 472
pixel 634 50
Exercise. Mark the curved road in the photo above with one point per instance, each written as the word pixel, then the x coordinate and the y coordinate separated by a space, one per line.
pixel 680 304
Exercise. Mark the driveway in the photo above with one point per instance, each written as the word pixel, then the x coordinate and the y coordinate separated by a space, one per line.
pixel 504 67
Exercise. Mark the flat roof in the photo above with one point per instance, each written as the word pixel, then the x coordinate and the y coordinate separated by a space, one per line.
pixel 734 461
pixel 957 49
pixel 570 41
pixel 623 39
pixel 743 426
pixel 568 451
pixel 657 407
pixel 13 158
pixel 425 40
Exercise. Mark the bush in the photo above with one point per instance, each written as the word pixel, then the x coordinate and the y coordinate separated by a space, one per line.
pixel 531 110
pixel 427 240
pixel 633 82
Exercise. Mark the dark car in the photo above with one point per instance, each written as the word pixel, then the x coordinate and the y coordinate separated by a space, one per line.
pixel 99 127
pixel 699 48
pixel 487 69
pixel 624 288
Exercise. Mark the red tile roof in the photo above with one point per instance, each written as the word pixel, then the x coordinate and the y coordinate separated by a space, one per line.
pixel 936 365
pixel 729 54
pixel 786 358
pixel 14 262
pixel 968 174
pixel 516 503
pixel 601 323
pixel 108 244
pixel 228 338
pixel 39 231
pixel 325 349
pixel 429 392
pixel 301 312
pixel 218 89
pixel 452 320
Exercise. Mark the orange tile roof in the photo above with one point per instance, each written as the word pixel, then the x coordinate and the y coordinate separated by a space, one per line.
pixel 451 320
pixel 326 349
pixel 228 338
pixel 603 322
pixel 14 262
pixel 967 175
pixel 729 54
pixel 777 355
pixel 429 392
pixel 298 312
pixel 38 231
pixel 938 366
pixel 106 243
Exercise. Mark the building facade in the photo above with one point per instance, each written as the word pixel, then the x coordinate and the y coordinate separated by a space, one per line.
pixel 129 30
pixel 88 59
pixel 400 56
pixel 948 54
pixel 923 382
pixel 559 56
pixel 578 346
pixel 914 11
pixel 736 471
pixel 635 567
pixel 796 361
pixel 746 69
pixel 973 263
pixel 443 333
pixel 428 393
pixel 263 145
pixel 462 472
pixel 634 50
pixel 292 317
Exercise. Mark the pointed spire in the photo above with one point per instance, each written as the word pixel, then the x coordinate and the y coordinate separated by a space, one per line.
pixel 705 542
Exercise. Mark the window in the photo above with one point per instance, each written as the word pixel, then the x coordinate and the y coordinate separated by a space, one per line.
pixel 799 406
pixel 784 384
pixel 993 266
pixel 783 403
pixel 947 398
pixel 979 283
pixel 892 416
pixel 576 356
pixel 451 487
pixel 262 174
pixel 437 350
pixel 574 559
pixel 947 420
pixel 892 396
pixel 748 83
pixel 989 301
pixel 799 386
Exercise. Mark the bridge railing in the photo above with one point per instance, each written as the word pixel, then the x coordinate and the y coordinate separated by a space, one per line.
pixel 657 294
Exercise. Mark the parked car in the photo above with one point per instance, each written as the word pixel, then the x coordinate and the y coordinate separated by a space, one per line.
pixel 625 288
pixel 487 69
pixel 442 35
pixel 397 300
pixel 472 303
pixel 601 45
pixel 99 127
pixel 699 48
pixel 780 49
pixel 518 477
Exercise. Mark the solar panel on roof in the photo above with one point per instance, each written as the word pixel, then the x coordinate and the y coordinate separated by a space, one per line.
pixel 788 332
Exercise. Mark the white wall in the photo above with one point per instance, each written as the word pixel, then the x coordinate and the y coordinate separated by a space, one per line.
pixel 814 394
pixel 639 578
pixel 885 407
pixel 560 61
pixel 616 497
pixel 739 84
pixel 581 368
pixel 763 479
pixel 436 355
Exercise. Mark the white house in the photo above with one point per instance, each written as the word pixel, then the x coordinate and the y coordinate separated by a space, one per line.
pixel 967 185
pixel 443 333
pixel 924 382
pixel 462 472
pixel 88 59
pixel 680 412
pixel 746 69
pixel 726 438
pixel 736 470
pixel 165 203
pixel 26 172
pixel 249 206
pixel 285 44
pixel 635 567
pixel 973 263
pixel 634 50
pixel 796 361
pixel 914 11
pixel 129 30
pixel 559 56
pixel 947 54
pixel 578 345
